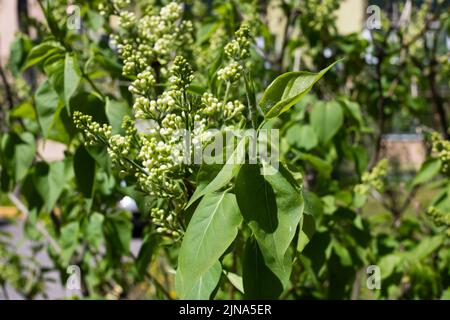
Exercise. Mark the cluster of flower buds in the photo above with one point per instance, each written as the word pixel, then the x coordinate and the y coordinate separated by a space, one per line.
pixel 237 51
pixel 113 6
pixel 119 148
pixel 230 73
pixel 239 48
pixel 182 74
pixel 373 179
pixel 440 218
pixel 143 84
pixel 441 148
pixel 162 161
pixel 95 133
pixel 166 222
pixel 152 38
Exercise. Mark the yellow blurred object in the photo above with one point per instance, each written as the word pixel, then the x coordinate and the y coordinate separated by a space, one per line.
pixel 9 212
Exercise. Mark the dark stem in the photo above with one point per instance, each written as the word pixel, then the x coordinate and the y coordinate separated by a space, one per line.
pixel 9 96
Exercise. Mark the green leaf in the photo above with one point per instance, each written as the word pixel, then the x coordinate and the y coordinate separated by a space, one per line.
pixel 49 180
pixel 47 100
pixel 428 170
pixel 235 280
pixel 388 264
pixel 228 171
pixel 24 153
pixel 84 168
pixel 211 230
pixel 354 110
pixel 68 241
pixel 146 252
pixel 116 111
pixel 272 205
pixel 324 168
pixel 342 252
pixel 258 280
pixel 16 156
pixel 327 118
pixel 426 247
pixel 72 78
pixel 41 52
pixel 118 231
pixel 94 229
pixel 204 286
pixel 288 89
pixel 307 230
pixel 302 136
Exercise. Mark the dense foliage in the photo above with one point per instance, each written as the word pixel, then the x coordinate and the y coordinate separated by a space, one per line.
pixel 125 90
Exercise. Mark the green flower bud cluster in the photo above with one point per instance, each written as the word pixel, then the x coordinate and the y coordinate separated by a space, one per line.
pixel 119 148
pixel 144 82
pixel 95 133
pixel 373 179
pixel 162 168
pixel 150 40
pixel 127 19
pixel 166 222
pixel 155 109
pixel 233 109
pixel 182 74
pixel 239 48
pixel 319 14
pixel 211 105
pixel 441 147
pixel 129 126
pixel 112 6
pixel 440 218
pixel 230 73
pixel 216 110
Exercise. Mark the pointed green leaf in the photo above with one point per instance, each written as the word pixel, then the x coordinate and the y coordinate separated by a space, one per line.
pixel 272 205
pixel 211 230
pixel 288 89
pixel 258 280
pixel 307 230
pixel 41 52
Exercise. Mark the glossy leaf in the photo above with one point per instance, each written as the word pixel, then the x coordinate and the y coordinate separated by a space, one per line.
pixel 288 89
pixel 41 52
pixel 211 230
